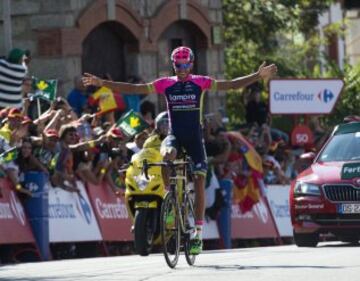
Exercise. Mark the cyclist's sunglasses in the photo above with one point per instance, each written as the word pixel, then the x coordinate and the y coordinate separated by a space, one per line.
pixel 182 65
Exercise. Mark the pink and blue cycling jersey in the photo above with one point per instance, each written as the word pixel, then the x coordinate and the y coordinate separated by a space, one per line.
pixel 184 101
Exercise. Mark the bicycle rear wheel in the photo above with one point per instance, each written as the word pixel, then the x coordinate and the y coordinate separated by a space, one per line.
pixel 170 230
pixel 189 222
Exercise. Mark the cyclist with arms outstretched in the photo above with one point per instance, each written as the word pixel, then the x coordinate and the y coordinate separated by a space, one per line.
pixel 184 95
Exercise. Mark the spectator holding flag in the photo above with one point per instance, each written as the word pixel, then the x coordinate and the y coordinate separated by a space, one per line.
pixel 12 73
pixel 78 98
pixel 107 101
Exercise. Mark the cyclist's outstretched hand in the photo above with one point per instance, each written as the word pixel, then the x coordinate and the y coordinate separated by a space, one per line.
pixel 91 80
pixel 267 71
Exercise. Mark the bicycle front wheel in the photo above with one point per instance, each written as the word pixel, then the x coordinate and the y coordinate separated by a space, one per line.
pixel 170 230
pixel 189 222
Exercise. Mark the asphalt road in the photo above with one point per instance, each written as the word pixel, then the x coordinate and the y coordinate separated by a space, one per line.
pixel 329 261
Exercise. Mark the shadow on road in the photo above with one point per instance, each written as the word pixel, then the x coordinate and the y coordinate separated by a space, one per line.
pixel 256 267
pixel 344 245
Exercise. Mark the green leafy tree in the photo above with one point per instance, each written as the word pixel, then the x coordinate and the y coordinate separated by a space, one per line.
pixel 280 31
pixel 349 101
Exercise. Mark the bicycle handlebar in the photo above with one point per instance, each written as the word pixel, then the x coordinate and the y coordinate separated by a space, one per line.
pixel 170 164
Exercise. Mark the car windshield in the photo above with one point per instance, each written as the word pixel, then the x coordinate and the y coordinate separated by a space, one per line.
pixel 344 147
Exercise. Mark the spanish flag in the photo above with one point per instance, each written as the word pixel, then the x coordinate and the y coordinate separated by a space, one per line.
pixel 248 193
pixel 107 100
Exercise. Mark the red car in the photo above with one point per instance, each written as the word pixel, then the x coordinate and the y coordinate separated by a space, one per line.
pixel 325 198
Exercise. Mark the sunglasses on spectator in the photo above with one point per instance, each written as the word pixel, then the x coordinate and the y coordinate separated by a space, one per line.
pixel 182 65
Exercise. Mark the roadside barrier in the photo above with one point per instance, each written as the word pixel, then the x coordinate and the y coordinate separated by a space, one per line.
pixel 278 198
pixel 71 216
pixel 14 225
pixel 111 213
pixel 96 214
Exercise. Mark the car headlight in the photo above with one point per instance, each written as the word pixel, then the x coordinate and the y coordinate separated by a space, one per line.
pixel 306 189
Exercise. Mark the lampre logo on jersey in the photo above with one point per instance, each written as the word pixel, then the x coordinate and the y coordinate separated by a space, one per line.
pixel 185 97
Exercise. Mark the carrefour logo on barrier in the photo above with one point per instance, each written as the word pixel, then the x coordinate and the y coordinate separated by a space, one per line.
pixel 61 211
pixel 325 96
pixel 32 186
pixel 5 211
pixel 84 209
pixel 236 213
pixel 261 211
pixel 281 210
pixel 111 210
pixel 17 208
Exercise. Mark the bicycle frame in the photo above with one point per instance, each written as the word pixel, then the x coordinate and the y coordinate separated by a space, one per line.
pixel 174 177
pixel 180 194
pixel 179 198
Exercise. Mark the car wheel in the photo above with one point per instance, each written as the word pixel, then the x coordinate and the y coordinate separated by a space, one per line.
pixel 306 239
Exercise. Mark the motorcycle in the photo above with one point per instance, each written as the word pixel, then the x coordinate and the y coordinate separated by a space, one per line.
pixel 143 197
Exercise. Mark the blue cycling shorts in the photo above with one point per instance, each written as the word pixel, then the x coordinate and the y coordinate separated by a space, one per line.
pixel 194 147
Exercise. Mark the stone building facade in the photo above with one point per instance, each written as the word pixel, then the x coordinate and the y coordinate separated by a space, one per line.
pixel 119 38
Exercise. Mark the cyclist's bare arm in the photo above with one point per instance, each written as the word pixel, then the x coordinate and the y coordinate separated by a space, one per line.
pixel 264 72
pixel 122 87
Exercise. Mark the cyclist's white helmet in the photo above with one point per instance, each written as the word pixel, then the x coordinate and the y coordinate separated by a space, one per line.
pixel 162 119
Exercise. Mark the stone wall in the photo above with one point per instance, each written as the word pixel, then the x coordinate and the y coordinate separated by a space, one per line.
pixel 51 28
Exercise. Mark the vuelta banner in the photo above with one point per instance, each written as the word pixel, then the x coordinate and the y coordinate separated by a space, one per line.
pixel 278 197
pixel 111 213
pixel 14 226
pixel 71 217
pixel 256 223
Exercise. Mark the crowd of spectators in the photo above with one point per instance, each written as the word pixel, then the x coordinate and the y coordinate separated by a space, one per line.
pixel 69 139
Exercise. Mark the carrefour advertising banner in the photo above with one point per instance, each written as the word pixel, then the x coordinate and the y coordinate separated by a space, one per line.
pixel 304 96
pixel 71 217
pixel 111 212
pixel 278 197
pixel 257 223
pixel 14 226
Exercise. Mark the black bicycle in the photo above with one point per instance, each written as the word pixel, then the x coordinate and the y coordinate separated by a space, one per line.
pixel 177 219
